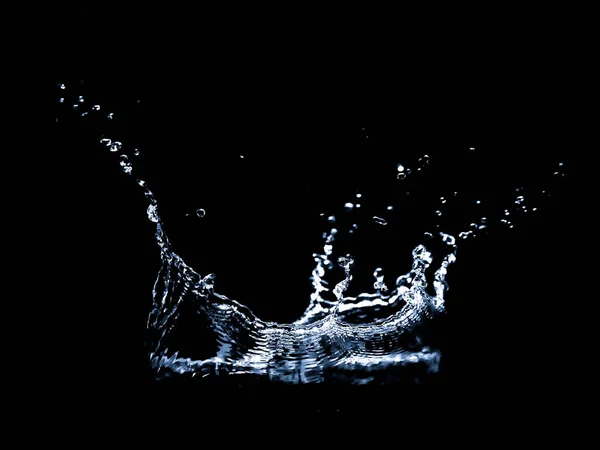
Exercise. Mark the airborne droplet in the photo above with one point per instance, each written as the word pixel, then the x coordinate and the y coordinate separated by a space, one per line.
pixel 200 212
pixel 125 164
pixel 152 215
pixel 116 146
pixel 349 206
pixel 379 220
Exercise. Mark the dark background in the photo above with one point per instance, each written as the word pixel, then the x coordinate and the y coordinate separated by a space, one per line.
pixel 508 327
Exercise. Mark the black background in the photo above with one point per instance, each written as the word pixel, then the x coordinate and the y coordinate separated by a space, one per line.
pixel 512 331
pixel 506 328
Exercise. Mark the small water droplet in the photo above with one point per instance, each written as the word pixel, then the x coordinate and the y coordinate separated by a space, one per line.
pixel 105 141
pixel 61 86
pixel 152 215
pixel 560 164
pixel 534 209
pixel 358 205
pixel 84 114
pixel 506 212
pixel 478 202
pixel 116 146
pixel 125 164
pixel 401 176
pixel 379 220
pixel 331 219
pixel 438 212
pixel 355 226
pixel 390 208
pixel 472 148
pixel 61 100
pixel 358 195
pixel 349 206
pixel 110 116
pixel 400 168
pixel 136 152
pixel 443 199
pixel 242 156
pixel 484 220
pixel 81 99
pixel 96 107
pixel 75 106
pixel 428 234
pixel 140 182
pixel 200 212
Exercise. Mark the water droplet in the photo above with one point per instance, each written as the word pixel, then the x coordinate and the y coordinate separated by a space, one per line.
pixel 443 199
pixel 84 114
pixel 200 212
pixel 472 148
pixel 140 182
pixel 152 215
pixel 242 156
pixel 428 234
pixel 560 164
pixel 534 209
pixel 110 116
pixel 401 176
pixel 125 164
pixel 116 146
pixel 358 195
pixel 464 234
pixel 105 141
pixel 96 107
pixel 60 86
pixel 379 220
pixel 358 205
pixel 81 99
pixel 349 206
pixel 484 220
pixel 355 226
pixel 438 212
pixel 61 100
pixel 75 106
pixel 478 202
pixel 390 208
pixel 506 212
pixel 331 219
pixel 400 168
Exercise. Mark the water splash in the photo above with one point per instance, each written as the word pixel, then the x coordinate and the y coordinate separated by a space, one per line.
pixel 339 338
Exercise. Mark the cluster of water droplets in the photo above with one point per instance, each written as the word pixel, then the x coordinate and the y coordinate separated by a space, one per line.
pixel 373 336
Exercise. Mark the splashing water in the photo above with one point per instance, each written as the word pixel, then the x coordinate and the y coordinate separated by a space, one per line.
pixel 339 338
